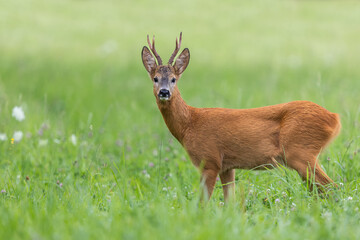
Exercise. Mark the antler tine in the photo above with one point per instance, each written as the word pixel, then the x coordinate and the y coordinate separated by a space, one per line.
pixel 152 48
pixel 180 39
pixel 177 48
pixel 149 41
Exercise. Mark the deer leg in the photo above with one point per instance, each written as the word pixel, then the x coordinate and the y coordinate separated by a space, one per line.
pixel 228 182
pixel 311 170
pixel 208 180
pixel 321 177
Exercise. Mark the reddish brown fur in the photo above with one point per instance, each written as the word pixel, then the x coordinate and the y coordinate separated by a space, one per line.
pixel 221 140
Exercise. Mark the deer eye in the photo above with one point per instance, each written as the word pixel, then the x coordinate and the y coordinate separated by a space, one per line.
pixel 156 80
pixel 173 80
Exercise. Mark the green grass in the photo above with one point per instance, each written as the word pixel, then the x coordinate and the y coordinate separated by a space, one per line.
pixel 75 66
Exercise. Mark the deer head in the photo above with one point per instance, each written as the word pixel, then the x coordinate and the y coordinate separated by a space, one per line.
pixel 164 77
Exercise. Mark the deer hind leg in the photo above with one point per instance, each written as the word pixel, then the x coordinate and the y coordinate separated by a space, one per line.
pixel 228 181
pixel 310 170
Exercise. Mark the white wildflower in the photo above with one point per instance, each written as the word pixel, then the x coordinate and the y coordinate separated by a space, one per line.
pixel 57 141
pixel 155 152
pixel 73 139
pixel 349 198
pixel 18 113
pixel 327 215
pixel 18 136
pixel 3 137
pixel 221 204
pixel 43 142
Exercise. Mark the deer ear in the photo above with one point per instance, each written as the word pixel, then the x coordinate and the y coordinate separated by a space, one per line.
pixel 182 61
pixel 148 60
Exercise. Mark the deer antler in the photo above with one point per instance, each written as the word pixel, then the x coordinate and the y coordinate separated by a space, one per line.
pixel 177 48
pixel 152 48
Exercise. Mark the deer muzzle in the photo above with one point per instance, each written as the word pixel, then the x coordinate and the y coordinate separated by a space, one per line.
pixel 164 94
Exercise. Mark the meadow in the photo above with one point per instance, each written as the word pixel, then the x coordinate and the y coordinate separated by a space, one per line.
pixel 96 160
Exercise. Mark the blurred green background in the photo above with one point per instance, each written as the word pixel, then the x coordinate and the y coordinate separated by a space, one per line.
pixel 75 66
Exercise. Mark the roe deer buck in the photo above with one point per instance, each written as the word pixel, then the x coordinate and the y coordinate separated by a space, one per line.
pixel 222 140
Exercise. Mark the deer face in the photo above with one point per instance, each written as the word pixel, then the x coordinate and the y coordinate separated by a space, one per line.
pixel 164 82
pixel 164 77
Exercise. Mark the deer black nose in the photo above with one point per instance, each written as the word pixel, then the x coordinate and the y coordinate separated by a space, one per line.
pixel 164 93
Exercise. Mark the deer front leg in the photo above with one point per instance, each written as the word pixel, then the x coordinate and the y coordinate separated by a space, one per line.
pixel 208 180
pixel 228 181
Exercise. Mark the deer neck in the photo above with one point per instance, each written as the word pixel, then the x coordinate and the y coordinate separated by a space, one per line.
pixel 176 114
